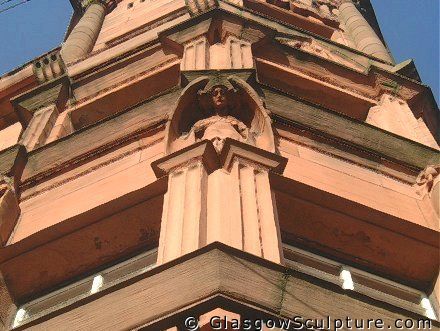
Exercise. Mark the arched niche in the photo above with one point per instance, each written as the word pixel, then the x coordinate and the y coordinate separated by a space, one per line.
pixel 197 116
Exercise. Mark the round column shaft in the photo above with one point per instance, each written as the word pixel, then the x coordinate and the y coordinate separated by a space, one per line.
pixel 83 36
pixel 362 33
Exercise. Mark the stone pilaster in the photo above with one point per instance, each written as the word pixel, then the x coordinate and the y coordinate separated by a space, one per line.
pixel 183 227
pixel 224 198
pixel 83 36
pixel 251 210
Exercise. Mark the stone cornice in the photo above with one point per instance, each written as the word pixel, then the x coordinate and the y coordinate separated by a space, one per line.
pixel 412 155
pixel 228 276
pixel 386 80
pixel 205 152
pixel 202 151
pixel 376 142
pixel 380 80
pixel 35 174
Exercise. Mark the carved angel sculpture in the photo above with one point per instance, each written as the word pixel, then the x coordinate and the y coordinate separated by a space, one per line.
pixel 220 125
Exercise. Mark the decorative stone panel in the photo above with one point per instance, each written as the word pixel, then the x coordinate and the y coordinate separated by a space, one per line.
pixel 232 53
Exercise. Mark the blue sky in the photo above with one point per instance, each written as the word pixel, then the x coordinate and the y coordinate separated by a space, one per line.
pixel 410 27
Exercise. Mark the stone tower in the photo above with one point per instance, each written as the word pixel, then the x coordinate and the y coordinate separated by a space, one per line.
pixel 185 164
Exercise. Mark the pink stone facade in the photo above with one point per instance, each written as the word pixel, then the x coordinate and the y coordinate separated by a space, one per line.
pixel 169 139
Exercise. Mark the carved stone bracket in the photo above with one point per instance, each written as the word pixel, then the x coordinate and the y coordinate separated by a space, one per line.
pixel 183 227
pixel 196 7
pixel 428 184
pixel 49 66
pixel 427 178
pixel 39 127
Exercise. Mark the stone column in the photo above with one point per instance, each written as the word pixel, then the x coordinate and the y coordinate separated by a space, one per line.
pixel 361 32
pixel 83 36
pixel 183 227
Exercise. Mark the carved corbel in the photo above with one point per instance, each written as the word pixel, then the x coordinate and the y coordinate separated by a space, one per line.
pixel 428 184
pixel 9 208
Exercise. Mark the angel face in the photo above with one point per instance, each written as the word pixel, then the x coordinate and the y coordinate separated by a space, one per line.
pixel 220 100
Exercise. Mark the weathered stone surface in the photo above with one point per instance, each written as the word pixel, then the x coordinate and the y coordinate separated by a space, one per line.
pixel 227 279
pixel 9 209
pixel 181 124
pixel 7 306
pixel 12 161
pixel 83 36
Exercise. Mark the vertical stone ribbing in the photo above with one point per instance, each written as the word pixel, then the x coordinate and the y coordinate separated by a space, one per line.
pixel 173 221
pixel 83 36
pixel 270 239
pixel 184 216
pixel 249 211
pixel 255 216
pixel 195 55
pixel 194 208
pixel 205 203
pixel 361 32
pixel 224 208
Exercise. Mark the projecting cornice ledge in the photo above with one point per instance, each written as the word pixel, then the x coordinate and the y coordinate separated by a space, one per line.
pixel 380 144
pixel 226 278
